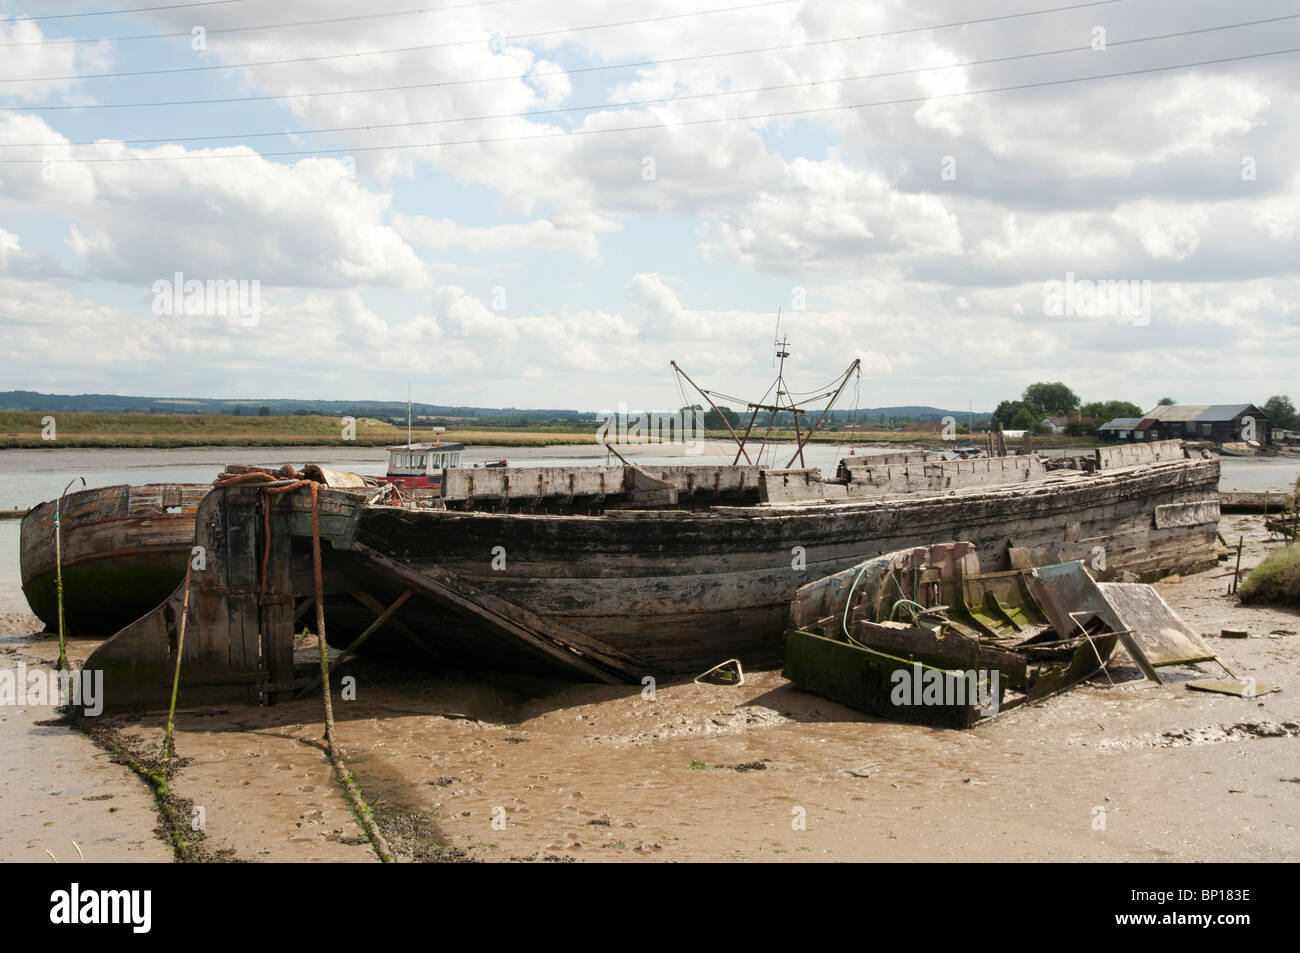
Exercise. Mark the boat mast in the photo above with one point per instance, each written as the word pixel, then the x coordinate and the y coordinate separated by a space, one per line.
pixel 847 374
pixel 739 443
pixel 408 414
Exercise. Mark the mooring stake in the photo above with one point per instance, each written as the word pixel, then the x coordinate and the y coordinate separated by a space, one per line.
pixel 62 664
pixel 169 742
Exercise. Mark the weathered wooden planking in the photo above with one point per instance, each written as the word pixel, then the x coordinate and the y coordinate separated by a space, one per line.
pixel 676 587
pixel 889 459
pixel 787 486
pixel 548 636
pixel 1196 513
pixel 277 606
pixel 1139 454
pixel 676 590
pixel 123 550
pixel 1165 638
pixel 939 477
pixel 532 483
pixel 222 660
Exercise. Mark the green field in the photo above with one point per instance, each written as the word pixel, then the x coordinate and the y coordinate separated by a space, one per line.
pixel 24 429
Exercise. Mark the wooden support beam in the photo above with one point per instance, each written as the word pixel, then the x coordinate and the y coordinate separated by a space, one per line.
pixel 547 637
pixel 400 627
pixel 360 639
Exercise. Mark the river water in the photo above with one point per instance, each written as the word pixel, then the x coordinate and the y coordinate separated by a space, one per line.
pixel 29 476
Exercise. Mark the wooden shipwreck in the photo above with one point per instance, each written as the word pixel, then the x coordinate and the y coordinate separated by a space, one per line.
pixel 614 573
pixel 124 550
pixel 926 635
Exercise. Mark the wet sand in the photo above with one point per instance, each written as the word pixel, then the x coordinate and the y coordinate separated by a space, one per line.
pixel 496 768
pixel 64 799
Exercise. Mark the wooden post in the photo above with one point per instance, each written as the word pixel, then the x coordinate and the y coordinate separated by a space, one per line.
pixel 1236 575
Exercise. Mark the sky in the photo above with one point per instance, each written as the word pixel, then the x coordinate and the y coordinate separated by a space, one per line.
pixel 537 204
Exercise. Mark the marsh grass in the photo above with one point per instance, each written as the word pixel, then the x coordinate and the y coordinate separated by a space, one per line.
pixel 1275 581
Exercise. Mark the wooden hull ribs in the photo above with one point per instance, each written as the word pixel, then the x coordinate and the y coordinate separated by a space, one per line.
pixel 632 573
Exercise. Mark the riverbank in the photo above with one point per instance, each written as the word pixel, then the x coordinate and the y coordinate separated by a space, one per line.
pixel 497 768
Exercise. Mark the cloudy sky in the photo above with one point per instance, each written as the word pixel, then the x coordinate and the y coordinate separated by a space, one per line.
pixel 540 204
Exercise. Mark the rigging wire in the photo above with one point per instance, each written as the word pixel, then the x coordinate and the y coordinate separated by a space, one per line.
pixel 446 44
pixel 566 134
pixel 64 40
pixel 656 62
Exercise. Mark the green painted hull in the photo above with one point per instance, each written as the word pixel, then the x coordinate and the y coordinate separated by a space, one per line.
pixel 101 596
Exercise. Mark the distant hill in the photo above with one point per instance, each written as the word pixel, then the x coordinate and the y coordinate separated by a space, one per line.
pixel 910 413
pixel 278 407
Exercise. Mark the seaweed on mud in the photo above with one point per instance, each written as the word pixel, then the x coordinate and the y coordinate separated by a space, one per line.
pixel 415 837
pixel 174 812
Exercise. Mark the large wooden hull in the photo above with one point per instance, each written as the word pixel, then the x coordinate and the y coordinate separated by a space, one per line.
pixel 124 549
pixel 679 591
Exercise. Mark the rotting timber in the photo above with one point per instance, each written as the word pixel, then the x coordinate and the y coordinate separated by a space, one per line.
pixel 615 573
pixel 925 635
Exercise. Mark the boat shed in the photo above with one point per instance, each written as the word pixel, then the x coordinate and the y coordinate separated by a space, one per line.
pixel 1121 428
pixel 1220 423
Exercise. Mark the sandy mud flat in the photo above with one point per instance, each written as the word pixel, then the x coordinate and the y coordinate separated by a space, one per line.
pixel 496 768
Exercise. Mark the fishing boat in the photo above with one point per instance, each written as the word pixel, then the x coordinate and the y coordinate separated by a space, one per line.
pixel 421 464
pixel 123 549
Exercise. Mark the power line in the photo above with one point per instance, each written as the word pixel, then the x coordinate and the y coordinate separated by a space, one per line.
pixel 538 34
pixel 574 71
pixel 110 13
pixel 251 29
pixel 783 114
pixel 664 99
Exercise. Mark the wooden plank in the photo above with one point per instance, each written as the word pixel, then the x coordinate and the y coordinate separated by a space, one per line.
pixel 277 611
pixel 551 639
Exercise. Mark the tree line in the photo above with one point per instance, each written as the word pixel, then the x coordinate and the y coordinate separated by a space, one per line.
pixel 1056 399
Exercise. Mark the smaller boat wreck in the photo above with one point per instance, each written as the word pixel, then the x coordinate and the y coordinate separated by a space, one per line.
pixel 123 549
pixel 924 635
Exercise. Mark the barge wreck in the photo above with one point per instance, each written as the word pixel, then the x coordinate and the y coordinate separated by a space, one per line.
pixel 616 573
